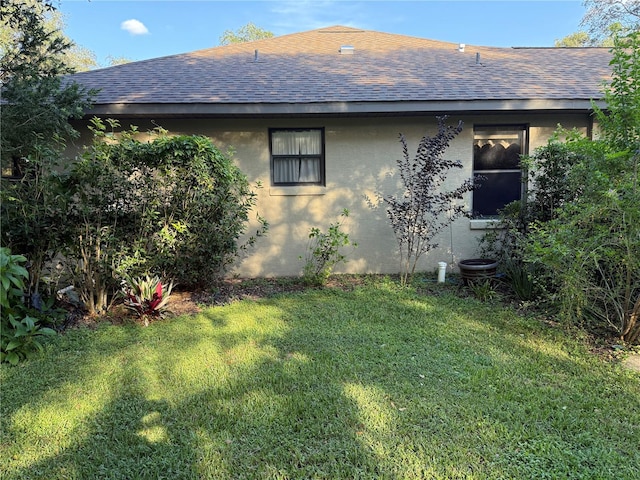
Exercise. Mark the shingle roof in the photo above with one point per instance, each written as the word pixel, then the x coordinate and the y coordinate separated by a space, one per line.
pixel 308 69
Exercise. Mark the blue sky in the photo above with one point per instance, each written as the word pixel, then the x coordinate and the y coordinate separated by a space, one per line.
pixel 157 28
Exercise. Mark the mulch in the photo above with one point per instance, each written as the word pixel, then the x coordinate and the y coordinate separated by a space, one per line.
pixel 191 302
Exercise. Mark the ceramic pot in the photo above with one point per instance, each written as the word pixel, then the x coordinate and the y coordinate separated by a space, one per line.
pixel 477 268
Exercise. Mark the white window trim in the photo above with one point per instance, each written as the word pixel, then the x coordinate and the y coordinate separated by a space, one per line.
pixel 485 224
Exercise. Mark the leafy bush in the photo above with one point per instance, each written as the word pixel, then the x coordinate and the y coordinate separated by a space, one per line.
pixel 424 208
pixel 483 290
pixel 175 205
pixel 323 252
pixel 594 249
pixel 578 232
pixel 12 277
pixel 523 278
pixel 553 182
pixel 33 215
pixel 594 242
pixel 20 333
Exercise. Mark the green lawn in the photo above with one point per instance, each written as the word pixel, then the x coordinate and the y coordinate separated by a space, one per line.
pixel 372 383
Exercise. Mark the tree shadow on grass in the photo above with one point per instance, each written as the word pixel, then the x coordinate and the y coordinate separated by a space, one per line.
pixel 265 418
pixel 374 383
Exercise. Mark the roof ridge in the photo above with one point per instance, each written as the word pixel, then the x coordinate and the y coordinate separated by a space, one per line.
pixel 338 29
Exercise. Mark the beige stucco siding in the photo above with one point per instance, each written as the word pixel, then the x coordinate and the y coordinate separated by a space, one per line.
pixel 360 158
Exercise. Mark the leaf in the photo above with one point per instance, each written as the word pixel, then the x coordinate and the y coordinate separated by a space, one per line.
pixel 13 358
pixel 29 322
pixel 13 344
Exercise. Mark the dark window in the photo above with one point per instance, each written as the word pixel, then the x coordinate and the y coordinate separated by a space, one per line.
pixel 12 168
pixel 297 156
pixel 496 166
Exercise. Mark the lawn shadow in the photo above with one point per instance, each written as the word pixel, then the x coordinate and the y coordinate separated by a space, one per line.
pixel 373 383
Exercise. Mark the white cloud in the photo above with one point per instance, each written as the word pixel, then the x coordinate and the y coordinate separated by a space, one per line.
pixel 134 27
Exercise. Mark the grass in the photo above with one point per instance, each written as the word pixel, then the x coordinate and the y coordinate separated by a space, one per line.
pixel 373 383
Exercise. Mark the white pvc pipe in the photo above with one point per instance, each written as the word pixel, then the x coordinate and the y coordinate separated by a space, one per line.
pixel 442 270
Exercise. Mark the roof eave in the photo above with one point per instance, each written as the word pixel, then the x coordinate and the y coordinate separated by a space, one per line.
pixel 339 108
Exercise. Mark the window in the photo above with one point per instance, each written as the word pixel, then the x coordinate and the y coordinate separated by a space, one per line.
pixel 496 158
pixel 12 168
pixel 297 156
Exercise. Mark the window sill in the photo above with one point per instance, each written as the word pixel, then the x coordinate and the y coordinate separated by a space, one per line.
pixel 302 190
pixel 485 224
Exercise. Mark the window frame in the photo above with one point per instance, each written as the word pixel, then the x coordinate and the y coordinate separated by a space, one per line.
pixel 497 130
pixel 17 172
pixel 321 156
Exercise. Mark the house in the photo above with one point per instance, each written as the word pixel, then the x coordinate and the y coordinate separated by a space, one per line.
pixel 315 117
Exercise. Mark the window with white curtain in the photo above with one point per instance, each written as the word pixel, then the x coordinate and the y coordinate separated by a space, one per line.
pixel 297 156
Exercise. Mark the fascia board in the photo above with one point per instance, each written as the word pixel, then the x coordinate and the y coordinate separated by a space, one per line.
pixel 338 108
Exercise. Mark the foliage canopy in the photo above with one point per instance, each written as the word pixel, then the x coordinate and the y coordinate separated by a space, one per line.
pixel 38 102
pixel 175 206
pixel 579 228
pixel 247 33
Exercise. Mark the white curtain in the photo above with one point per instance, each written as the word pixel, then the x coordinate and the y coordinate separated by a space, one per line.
pixel 291 146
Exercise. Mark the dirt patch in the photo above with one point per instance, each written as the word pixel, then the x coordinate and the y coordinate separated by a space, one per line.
pixel 223 293
pixel 232 290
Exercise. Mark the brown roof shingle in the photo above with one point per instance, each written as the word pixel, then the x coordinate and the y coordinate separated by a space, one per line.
pixel 307 68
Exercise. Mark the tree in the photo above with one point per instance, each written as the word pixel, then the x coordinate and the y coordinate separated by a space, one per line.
pixel 38 103
pixel 424 208
pixel 601 14
pixel 113 61
pixel 584 39
pixel 248 33
pixel 77 58
pixel 80 59
pixel 577 39
pixel 591 240
pixel 604 20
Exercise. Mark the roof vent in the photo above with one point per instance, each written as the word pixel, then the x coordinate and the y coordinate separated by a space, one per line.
pixel 461 47
pixel 346 50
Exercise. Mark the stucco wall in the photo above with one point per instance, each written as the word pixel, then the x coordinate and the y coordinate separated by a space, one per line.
pixel 360 162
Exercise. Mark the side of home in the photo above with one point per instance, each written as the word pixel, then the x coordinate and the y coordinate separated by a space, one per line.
pixel 317 124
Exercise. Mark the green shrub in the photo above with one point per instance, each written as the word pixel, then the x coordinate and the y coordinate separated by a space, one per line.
pixel 484 290
pixel 323 252
pixel 33 211
pixel 20 333
pixel 593 248
pixel 578 230
pixel 174 205
pixel 522 277
pixel 593 243
pixel 552 183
